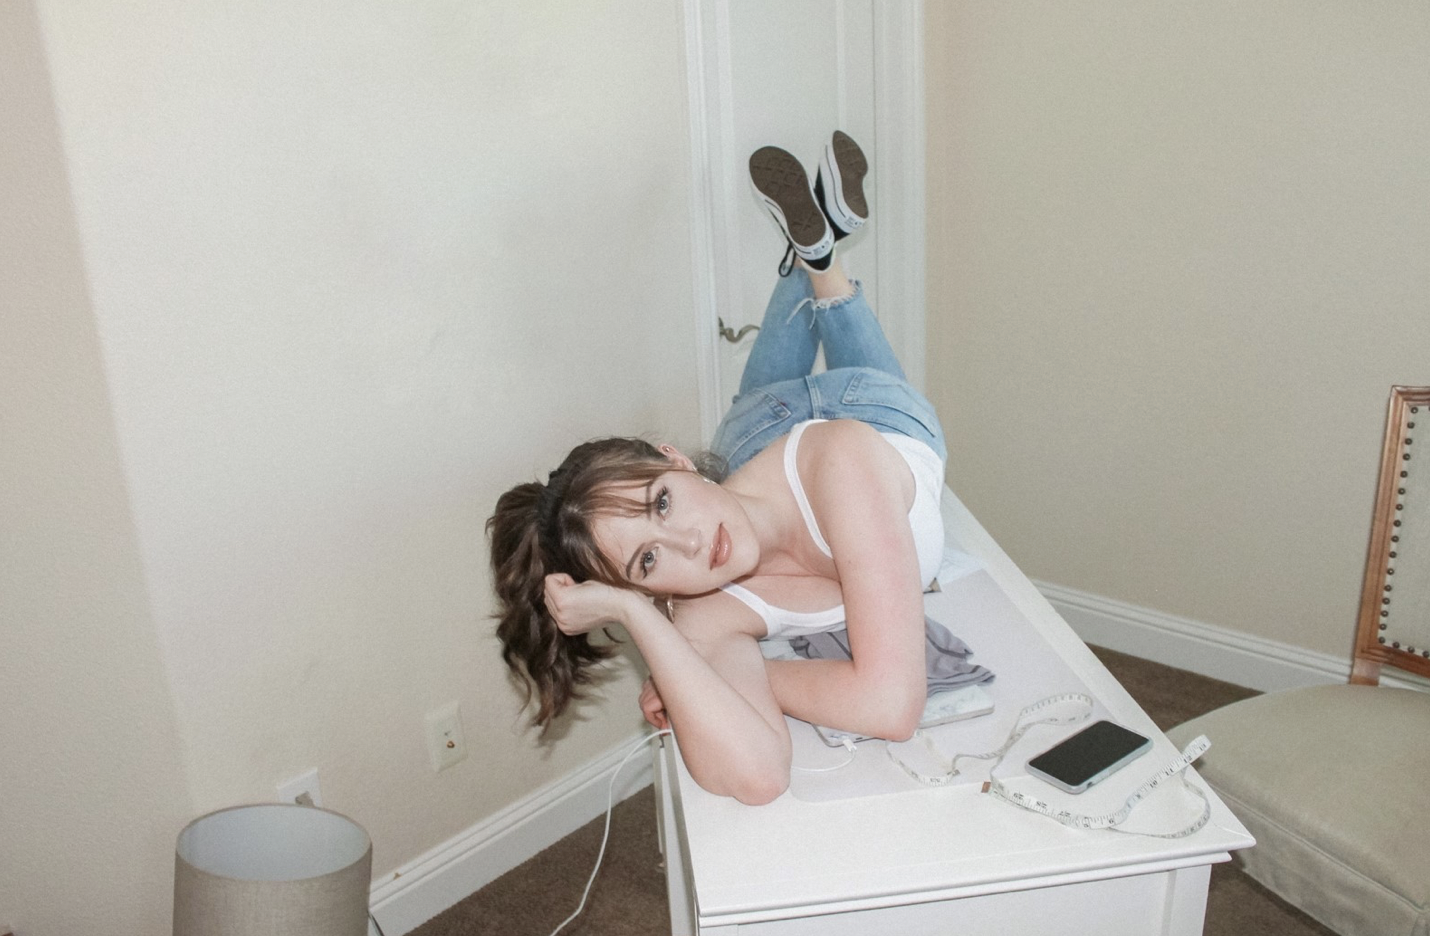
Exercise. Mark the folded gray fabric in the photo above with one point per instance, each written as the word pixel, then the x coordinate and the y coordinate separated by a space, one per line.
pixel 946 656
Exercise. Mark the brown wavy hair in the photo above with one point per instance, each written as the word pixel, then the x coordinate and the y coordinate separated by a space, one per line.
pixel 539 529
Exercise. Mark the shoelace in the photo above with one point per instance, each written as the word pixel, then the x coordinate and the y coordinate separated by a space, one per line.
pixel 787 264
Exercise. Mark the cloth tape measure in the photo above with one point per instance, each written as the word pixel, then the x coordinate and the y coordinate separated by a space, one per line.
pixel 1111 820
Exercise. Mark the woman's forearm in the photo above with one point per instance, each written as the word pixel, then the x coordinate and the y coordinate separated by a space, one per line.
pixel 732 735
pixel 838 694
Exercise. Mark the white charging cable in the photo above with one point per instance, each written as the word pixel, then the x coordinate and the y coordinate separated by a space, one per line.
pixel 605 836
pixel 847 744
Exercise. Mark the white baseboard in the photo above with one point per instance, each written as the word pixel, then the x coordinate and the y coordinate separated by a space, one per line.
pixel 1205 649
pixel 442 877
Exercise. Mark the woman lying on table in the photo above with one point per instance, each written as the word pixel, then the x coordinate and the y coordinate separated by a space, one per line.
pixel 828 517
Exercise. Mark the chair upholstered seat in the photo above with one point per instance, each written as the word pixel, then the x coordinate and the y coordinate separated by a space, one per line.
pixel 1334 783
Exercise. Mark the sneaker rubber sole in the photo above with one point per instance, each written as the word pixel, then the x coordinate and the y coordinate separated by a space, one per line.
pixel 845 166
pixel 783 186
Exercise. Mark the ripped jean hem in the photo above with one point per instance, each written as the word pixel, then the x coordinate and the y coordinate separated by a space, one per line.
pixel 824 305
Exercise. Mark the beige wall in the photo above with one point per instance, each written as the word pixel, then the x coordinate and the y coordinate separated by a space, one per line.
pixel 290 294
pixel 1180 257
pixel 92 778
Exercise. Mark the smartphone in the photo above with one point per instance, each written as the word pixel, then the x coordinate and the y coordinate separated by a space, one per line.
pixel 1089 756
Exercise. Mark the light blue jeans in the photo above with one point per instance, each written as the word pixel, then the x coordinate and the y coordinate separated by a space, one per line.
pixel 863 381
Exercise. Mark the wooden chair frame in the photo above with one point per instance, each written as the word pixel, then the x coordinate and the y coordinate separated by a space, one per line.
pixel 1400 460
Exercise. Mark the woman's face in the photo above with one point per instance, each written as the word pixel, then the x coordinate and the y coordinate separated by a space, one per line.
pixel 692 537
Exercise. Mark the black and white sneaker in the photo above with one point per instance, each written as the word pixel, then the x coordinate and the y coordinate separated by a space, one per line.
pixel 839 185
pixel 784 188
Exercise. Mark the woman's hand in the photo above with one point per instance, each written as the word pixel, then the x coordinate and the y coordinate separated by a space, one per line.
pixel 652 706
pixel 581 607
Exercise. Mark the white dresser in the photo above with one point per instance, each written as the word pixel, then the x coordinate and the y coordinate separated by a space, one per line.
pixel 864 849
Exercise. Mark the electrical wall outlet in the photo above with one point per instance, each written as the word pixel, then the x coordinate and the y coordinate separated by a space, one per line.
pixel 302 790
pixel 444 736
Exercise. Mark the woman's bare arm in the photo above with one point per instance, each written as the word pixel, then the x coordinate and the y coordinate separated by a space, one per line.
pixel 715 691
pixel 860 490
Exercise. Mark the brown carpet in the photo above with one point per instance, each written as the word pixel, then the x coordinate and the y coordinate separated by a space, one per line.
pixel 628 898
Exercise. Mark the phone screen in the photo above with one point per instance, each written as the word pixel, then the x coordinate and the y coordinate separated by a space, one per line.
pixel 1088 756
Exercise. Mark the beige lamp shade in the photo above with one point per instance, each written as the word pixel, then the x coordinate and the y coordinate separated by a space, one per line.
pixel 274 869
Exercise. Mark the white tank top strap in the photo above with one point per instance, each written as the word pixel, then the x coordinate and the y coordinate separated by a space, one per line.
pixel 752 601
pixel 792 476
pixel 781 623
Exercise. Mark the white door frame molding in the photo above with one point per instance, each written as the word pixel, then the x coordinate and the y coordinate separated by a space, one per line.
pixel 899 183
pixel 716 181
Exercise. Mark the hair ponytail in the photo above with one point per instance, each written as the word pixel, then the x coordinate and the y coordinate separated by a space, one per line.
pixel 550 664
pixel 543 528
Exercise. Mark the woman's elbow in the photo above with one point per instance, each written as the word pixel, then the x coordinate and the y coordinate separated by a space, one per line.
pixel 753 784
pixel 901 715
pixel 763 779
pixel 765 786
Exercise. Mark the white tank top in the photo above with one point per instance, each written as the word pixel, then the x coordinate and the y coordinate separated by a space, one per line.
pixel 925 521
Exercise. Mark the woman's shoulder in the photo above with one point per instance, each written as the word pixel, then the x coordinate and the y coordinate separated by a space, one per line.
pixel 847 455
pixel 845 446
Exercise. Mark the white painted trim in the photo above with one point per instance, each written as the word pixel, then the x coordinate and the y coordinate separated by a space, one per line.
pixel 703 83
pixel 1206 649
pixel 900 182
pixel 442 877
